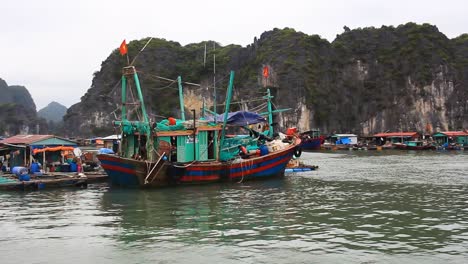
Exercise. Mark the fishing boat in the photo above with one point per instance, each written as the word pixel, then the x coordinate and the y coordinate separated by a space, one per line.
pixel 312 140
pixel 181 152
pixel 419 145
pixel 414 145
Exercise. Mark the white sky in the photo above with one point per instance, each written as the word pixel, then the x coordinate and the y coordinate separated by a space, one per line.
pixel 53 46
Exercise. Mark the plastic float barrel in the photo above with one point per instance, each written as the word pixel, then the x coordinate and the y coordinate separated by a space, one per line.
pixel 18 170
pixel 35 167
pixel 24 177
pixel 263 150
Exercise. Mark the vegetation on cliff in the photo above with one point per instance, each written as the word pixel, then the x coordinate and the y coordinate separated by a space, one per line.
pixel 18 111
pixel 367 80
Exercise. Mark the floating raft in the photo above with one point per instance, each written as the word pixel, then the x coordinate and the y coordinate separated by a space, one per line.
pixel 301 169
pixel 56 180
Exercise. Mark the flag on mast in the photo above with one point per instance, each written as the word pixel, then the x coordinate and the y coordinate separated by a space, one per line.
pixel 123 48
pixel 266 72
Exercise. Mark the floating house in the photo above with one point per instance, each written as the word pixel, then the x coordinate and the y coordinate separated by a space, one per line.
pixel 451 137
pixel 22 149
pixel 396 137
pixel 344 139
pixel 111 142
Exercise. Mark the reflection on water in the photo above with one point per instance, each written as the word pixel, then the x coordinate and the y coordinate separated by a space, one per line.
pixel 359 207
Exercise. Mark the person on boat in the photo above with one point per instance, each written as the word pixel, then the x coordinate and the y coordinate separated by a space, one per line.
pixel 173 153
pixel 261 137
pixel 243 153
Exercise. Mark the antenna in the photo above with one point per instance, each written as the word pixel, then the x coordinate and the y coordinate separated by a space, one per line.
pixel 204 57
pixel 140 51
pixel 214 78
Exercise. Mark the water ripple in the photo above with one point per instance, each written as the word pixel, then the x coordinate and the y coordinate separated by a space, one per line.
pixel 370 207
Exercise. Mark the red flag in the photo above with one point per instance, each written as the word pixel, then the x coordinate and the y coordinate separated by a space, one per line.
pixel 123 48
pixel 265 72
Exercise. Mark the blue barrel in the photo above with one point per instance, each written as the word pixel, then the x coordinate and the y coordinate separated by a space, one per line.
pixel 35 167
pixel 24 177
pixel 19 170
pixel 263 150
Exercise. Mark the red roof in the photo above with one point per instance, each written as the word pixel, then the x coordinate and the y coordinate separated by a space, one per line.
pixel 455 133
pixel 397 134
pixel 24 139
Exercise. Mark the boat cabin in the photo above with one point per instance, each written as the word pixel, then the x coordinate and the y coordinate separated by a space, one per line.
pixel 396 137
pixel 186 146
pixel 451 137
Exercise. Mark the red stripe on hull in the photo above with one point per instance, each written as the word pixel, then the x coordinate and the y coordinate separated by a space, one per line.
pixel 258 169
pixel 204 178
pixel 117 168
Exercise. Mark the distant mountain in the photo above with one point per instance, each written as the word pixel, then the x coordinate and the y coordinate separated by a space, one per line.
pixel 53 112
pixel 18 111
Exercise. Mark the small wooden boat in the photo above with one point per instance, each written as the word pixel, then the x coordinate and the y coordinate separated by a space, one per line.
pixel 312 140
pixel 419 145
pixel 31 183
pixel 302 169
pixel 295 165
pixel 414 145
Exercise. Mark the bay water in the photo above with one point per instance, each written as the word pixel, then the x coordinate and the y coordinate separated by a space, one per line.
pixel 358 207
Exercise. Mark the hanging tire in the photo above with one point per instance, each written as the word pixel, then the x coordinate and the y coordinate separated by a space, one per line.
pixel 297 152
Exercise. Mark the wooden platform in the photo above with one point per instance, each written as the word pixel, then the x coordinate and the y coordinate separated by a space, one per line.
pixel 53 180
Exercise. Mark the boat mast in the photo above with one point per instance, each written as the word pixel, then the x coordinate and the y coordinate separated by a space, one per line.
pixel 214 78
pixel 226 110
pixel 203 109
pixel 140 95
pixel 181 98
pixel 270 114
pixel 123 108
pixel 124 98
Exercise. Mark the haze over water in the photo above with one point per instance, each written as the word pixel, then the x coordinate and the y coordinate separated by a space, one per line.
pixel 358 207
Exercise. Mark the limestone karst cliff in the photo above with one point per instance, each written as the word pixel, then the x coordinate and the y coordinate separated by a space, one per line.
pixel 368 80
pixel 18 111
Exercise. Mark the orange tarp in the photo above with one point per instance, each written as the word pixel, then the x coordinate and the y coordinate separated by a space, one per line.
pixel 59 148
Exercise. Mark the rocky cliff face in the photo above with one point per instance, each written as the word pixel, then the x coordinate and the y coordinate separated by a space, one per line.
pixel 18 111
pixel 369 80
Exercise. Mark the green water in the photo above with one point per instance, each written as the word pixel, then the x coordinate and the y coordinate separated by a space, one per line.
pixel 359 207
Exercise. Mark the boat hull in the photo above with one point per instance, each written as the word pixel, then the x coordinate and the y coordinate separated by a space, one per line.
pixel 426 147
pixel 137 173
pixel 312 143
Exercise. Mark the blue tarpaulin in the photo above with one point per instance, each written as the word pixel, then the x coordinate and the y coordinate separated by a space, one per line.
pixel 239 118
pixel 343 141
pixel 105 151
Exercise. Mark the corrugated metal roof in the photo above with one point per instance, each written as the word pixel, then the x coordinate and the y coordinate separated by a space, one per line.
pixel 54 141
pixel 397 134
pixel 25 139
pixel 454 133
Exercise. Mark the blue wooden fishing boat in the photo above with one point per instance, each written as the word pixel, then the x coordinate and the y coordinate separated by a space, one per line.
pixel 180 152
pixel 312 139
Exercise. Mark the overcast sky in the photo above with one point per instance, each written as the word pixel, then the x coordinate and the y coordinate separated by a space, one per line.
pixel 53 46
